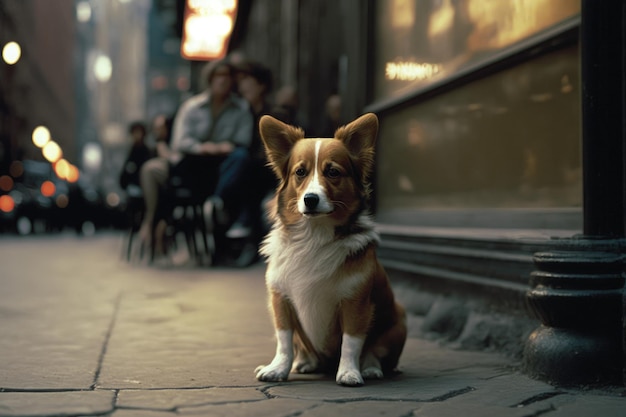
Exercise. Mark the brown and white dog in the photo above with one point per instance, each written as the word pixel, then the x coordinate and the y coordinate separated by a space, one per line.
pixel 331 300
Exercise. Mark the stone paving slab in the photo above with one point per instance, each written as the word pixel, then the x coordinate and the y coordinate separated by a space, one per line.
pixel 172 400
pixel 71 403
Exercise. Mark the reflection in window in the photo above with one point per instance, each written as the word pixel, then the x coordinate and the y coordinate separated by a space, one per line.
pixel 507 141
pixel 419 41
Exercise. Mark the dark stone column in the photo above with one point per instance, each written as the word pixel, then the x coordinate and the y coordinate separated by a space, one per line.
pixel 577 295
pixel 577 291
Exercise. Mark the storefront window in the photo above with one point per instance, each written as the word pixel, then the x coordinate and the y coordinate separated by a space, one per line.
pixel 508 141
pixel 419 42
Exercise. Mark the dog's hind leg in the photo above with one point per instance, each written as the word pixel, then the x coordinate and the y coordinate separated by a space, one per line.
pixel 305 362
pixel 370 366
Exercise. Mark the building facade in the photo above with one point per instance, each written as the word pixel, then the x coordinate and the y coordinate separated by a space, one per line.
pixel 487 167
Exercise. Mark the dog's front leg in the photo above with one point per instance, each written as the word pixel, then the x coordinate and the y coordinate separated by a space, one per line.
pixel 356 317
pixel 279 368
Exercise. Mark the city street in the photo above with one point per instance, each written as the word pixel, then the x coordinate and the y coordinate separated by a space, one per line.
pixel 85 333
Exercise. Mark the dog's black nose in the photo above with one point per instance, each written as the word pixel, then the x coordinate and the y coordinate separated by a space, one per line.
pixel 311 200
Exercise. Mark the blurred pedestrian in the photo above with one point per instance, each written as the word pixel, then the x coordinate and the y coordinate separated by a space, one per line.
pixel 209 149
pixel 139 153
pixel 254 84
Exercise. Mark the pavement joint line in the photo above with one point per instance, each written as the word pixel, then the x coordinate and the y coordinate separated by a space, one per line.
pixel 47 390
pixel 452 394
pixel 537 398
pixel 107 338
pixel 542 411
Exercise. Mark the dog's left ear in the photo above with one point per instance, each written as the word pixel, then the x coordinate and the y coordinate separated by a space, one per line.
pixel 359 137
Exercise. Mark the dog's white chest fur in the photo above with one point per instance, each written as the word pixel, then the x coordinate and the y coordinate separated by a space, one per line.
pixel 305 265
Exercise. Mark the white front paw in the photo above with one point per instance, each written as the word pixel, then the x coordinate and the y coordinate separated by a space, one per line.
pixel 349 377
pixel 278 370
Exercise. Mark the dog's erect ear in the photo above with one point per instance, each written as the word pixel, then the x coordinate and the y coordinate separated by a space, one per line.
pixel 278 138
pixel 359 137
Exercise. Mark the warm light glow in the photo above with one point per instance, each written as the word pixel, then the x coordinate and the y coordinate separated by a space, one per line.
pixel 6 203
pixel 410 71
pixel 62 168
pixel 52 152
pixel 207 28
pixel 41 136
pixel 48 189
pixel 11 53
pixel 6 183
pixel 73 174
pixel 441 21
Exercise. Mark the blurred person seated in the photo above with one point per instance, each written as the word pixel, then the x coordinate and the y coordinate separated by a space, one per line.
pixel 139 153
pixel 162 132
pixel 209 148
pixel 255 85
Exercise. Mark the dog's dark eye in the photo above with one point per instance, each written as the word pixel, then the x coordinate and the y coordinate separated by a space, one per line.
pixel 332 172
pixel 300 172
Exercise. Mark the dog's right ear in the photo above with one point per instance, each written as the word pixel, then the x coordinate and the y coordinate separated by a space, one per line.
pixel 278 138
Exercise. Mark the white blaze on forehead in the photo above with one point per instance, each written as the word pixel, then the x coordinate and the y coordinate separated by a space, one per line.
pixel 315 186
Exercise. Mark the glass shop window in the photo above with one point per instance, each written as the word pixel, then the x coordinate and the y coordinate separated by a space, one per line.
pixel 507 141
pixel 419 42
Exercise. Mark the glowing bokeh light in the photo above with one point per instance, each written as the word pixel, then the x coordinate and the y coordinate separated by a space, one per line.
pixel 11 52
pixel 73 174
pixel 62 168
pixel 7 204
pixel 113 199
pixel 41 136
pixel 6 183
pixel 103 68
pixel 48 188
pixel 83 12
pixel 52 152
pixel 92 156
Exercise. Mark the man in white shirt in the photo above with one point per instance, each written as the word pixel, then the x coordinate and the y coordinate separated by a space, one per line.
pixel 211 135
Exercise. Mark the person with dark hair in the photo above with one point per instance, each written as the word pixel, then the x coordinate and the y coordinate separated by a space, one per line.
pixel 254 84
pixel 209 147
pixel 139 153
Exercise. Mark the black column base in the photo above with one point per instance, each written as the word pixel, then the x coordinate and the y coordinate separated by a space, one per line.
pixel 577 293
pixel 568 357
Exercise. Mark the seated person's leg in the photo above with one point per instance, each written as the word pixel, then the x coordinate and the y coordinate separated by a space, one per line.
pixel 153 175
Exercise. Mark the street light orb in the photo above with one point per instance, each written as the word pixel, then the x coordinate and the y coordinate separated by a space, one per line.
pixel 11 52
pixel 52 152
pixel 103 68
pixel 41 136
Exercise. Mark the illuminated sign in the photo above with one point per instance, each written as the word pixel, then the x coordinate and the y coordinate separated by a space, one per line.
pixel 410 71
pixel 207 28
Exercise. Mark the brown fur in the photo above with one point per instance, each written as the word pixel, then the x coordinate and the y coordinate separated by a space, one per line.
pixel 322 264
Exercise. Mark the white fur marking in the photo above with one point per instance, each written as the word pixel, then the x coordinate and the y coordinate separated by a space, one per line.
pixel 303 263
pixel 316 187
pixel 280 367
pixel 348 372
